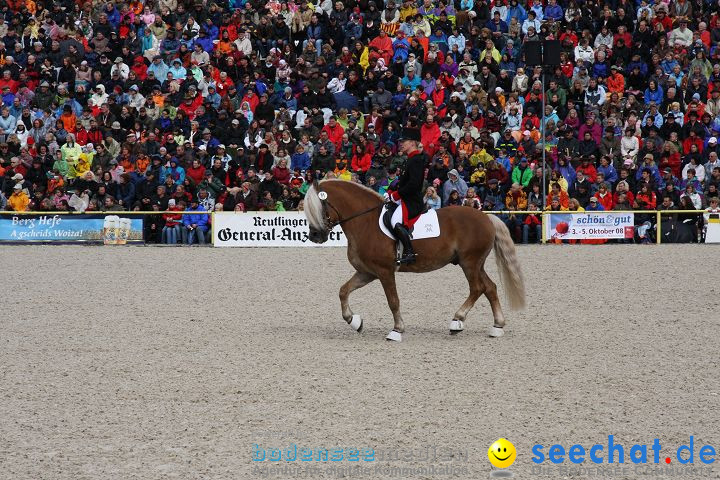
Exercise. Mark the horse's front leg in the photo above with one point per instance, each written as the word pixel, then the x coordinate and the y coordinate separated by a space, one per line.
pixel 388 283
pixel 359 280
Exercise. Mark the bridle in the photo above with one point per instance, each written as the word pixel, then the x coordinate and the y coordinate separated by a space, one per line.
pixel 330 224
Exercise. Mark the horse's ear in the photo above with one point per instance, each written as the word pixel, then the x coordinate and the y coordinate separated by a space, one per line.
pixel 316 184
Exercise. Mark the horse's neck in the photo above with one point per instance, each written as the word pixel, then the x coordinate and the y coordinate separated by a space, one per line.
pixel 352 201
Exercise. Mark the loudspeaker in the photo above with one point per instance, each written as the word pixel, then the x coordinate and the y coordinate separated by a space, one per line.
pixel 552 52
pixel 542 53
pixel 533 53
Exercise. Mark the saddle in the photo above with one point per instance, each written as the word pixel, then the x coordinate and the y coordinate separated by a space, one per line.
pixel 426 226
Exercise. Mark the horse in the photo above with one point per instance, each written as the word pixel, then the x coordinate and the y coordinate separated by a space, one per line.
pixel 466 237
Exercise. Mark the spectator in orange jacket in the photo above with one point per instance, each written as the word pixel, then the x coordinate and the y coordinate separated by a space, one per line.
pixel 68 119
pixel 557 192
pixel 616 81
pixel 605 197
pixel 518 196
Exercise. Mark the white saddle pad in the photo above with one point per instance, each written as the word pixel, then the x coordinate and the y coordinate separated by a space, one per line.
pixel 427 226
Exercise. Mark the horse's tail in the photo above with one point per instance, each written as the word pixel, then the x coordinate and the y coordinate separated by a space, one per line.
pixel 508 265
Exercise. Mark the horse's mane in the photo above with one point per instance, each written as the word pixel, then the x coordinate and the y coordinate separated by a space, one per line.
pixel 314 206
pixel 359 186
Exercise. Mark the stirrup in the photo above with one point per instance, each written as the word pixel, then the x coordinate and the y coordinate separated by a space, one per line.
pixel 406 258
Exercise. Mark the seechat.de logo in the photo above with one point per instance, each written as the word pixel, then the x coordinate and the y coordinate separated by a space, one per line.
pixel 612 452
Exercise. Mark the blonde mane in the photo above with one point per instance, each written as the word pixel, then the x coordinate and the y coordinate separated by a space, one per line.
pixel 314 209
pixel 314 206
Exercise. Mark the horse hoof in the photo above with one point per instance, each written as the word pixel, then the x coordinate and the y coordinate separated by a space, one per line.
pixel 356 323
pixel 456 326
pixel 496 332
pixel 394 336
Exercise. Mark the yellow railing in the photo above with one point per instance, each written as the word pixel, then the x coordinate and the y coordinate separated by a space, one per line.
pixel 542 213
pixel 107 212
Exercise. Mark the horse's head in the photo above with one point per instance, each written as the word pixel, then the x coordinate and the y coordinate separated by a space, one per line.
pixel 319 221
pixel 336 202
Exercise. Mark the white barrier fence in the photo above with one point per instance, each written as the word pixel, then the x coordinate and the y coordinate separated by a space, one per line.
pixel 268 229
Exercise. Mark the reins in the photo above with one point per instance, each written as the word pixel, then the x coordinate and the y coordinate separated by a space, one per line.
pixel 340 221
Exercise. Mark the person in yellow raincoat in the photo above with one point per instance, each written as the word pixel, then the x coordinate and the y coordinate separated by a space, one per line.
pixel 19 200
pixel 83 163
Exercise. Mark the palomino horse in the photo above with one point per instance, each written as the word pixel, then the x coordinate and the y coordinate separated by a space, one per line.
pixel 466 238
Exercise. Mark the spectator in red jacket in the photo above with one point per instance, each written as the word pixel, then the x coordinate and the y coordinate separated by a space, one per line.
pixel 430 135
pixel 334 131
pixel 588 169
pixel 361 161
pixel 605 197
pixel 281 172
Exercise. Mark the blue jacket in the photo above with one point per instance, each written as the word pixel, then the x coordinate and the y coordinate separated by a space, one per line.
pixel 353 30
pixel 126 193
pixel 554 11
pixel 160 70
pixel 8 124
pixel 655 172
pixel 609 172
pixel 113 17
pixel 568 173
pixel 206 43
pixel 518 12
pixel 315 32
pixel 300 160
pixel 212 31
pixel 642 65
pixel 654 96
pixel 201 220
pixel 600 70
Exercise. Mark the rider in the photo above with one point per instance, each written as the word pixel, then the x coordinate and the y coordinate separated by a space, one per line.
pixel 409 192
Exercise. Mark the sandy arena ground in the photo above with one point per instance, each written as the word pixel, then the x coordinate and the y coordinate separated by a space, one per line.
pixel 151 363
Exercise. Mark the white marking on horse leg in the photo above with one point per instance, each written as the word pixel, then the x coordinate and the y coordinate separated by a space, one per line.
pixel 456 326
pixel 496 332
pixel 356 323
pixel 394 336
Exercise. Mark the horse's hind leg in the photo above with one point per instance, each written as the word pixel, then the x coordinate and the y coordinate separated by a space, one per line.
pixel 358 280
pixel 388 283
pixel 492 296
pixel 477 287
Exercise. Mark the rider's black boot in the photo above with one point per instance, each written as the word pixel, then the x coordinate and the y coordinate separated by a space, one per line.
pixel 402 234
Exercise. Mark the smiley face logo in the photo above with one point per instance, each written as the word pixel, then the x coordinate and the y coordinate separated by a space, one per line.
pixel 502 453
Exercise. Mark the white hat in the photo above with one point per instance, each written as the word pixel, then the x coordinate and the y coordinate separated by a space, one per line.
pixel 171 202
pixel 18 186
pixel 712 140
pixel 17 176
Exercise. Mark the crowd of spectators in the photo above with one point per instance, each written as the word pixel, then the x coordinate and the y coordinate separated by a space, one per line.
pixel 212 105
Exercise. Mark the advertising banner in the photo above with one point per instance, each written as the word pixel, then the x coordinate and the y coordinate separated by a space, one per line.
pixel 586 226
pixel 51 228
pixel 268 229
